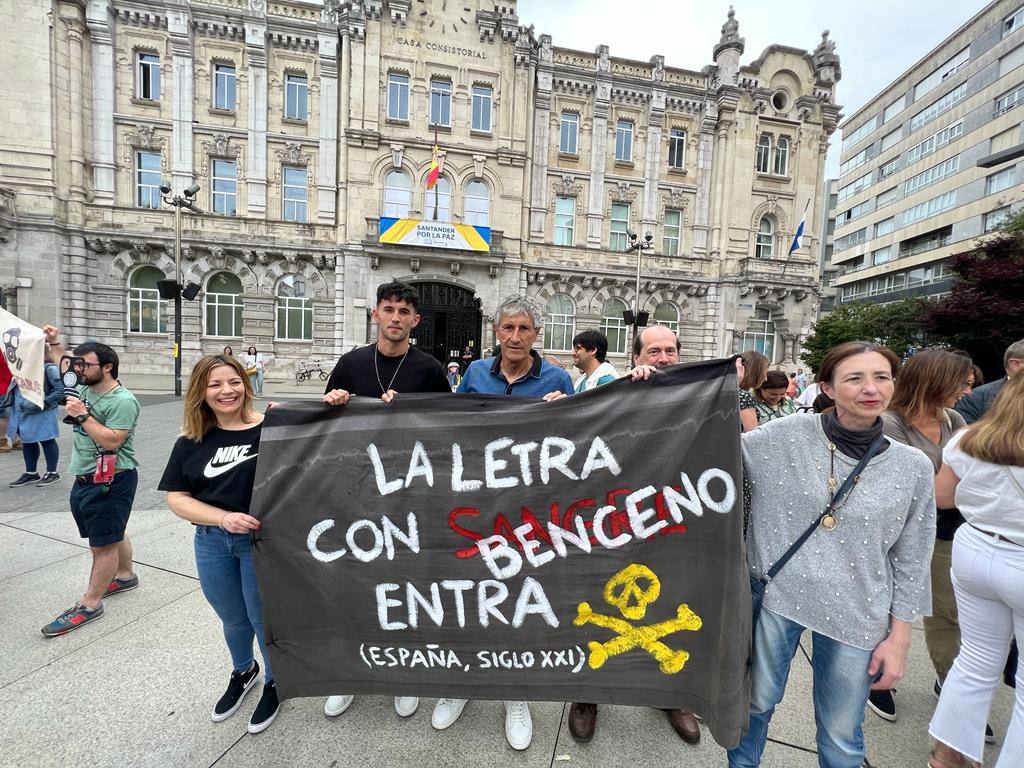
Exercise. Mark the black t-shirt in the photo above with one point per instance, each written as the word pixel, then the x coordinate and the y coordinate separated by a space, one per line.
pixel 419 372
pixel 219 470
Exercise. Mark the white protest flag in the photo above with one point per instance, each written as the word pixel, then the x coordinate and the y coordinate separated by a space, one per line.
pixel 24 348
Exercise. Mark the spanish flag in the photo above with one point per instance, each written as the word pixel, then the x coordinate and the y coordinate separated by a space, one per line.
pixel 435 167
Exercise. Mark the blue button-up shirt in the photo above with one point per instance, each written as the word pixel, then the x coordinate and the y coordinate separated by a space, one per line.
pixel 484 377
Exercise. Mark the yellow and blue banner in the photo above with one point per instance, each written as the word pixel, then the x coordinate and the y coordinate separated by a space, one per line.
pixel 434 234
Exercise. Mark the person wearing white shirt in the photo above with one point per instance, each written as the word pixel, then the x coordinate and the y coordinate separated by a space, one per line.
pixel 588 352
pixel 982 474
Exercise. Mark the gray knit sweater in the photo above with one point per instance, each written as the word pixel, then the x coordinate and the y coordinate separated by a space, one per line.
pixel 843 583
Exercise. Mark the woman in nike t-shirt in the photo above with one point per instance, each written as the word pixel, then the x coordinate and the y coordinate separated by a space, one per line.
pixel 208 480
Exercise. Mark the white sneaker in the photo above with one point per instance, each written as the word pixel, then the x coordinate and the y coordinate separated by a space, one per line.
pixel 406 706
pixel 446 712
pixel 518 724
pixel 335 705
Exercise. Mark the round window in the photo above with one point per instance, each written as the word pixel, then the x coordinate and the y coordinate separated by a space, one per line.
pixel 780 101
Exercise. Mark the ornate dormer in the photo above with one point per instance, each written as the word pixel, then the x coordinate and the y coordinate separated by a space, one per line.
pixel 729 49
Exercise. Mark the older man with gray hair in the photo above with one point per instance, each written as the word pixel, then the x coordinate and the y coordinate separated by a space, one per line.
pixel 973 406
pixel 517 370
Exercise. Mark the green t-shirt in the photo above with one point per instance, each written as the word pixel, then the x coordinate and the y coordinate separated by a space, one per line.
pixel 118 409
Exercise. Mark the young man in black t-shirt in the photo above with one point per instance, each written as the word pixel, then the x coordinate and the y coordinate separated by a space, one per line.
pixel 390 366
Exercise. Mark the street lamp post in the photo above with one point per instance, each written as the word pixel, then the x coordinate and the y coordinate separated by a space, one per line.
pixel 635 317
pixel 185 200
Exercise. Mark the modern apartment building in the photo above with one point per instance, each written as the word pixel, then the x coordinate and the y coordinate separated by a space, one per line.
pixel 911 191
pixel 827 270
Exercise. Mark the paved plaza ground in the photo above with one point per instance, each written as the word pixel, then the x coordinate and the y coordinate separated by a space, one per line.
pixel 135 688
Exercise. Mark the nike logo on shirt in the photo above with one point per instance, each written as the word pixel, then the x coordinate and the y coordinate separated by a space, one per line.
pixel 226 459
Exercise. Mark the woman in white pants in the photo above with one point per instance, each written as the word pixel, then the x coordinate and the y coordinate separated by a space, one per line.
pixel 983 475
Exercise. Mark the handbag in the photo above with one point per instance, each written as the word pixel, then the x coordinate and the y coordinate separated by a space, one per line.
pixel 250 371
pixel 758 585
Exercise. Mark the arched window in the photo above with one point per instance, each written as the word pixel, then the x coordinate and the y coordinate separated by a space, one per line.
pixel 559 323
pixel 294 309
pixel 147 313
pixel 478 204
pixel 764 153
pixel 760 333
pixel 442 194
pixel 614 326
pixel 782 157
pixel 763 247
pixel 223 305
pixel 397 195
pixel 666 314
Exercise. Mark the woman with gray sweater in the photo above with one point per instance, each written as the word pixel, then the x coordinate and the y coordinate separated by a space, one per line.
pixel 861 577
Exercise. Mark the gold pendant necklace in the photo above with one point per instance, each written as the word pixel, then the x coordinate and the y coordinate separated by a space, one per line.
pixel 829 521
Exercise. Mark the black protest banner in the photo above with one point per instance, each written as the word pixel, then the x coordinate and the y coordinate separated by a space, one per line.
pixel 586 549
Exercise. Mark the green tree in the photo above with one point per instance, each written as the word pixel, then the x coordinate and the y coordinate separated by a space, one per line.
pixel 897 325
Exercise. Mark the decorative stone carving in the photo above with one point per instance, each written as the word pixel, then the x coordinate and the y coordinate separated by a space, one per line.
pixel 454 267
pixel 414 264
pixel 567 187
pixel 604 63
pixel 745 291
pixel 622 192
pixel 397 150
pixel 258 7
pixel 374 261
pixel 658 69
pixel 221 148
pixel 493 271
pixel 330 11
pixel 545 52
pixel 292 154
pixel 675 200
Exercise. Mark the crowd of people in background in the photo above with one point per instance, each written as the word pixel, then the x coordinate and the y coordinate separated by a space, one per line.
pixel 908 474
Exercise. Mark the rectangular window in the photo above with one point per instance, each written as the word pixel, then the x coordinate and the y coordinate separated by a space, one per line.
pixel 1008 101
pixel 929 208
pixel 995 219
pixel 997 182
pixel 936 141
pixel 672 227
pixel 929 241
pixel 147 180
pixel 853 187
pixel 624 141
pixel 565 220
pixel 224 186
pixel 1004 140
pixel 224 87
pixel 1011 61
pixel 147 76
pixel 852 213
pixel 938 107
pixel 854 162
pixel 398 96
pixel 296 97
pixel 1013 23
pixel 891 139
pixel 885 226
pixel 931 176
pixel 948 69
pixel 888 169
pixel 892 110
pixel 441 103
pixel 619 239
pixel 568 133
pixel 294 318
pixel 850 240
pixel 854 136
pixel 677 148
pixel 295 194
pixel 887 197
pixel 881 255
pixel 482 98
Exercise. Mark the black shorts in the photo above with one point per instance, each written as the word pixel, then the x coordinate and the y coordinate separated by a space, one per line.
pixel 102 511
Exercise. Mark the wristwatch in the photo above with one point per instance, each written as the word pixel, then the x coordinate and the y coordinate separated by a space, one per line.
pixel 81 418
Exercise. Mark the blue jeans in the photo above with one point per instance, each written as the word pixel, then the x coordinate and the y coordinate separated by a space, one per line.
pixel 841 686
pixel 224 562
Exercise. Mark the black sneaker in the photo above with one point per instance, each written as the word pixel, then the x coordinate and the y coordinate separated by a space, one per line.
pixel 48 479
pixel 266 710
pixel 26 479
pixel 238 686
pixel 937 689
pixel 883 704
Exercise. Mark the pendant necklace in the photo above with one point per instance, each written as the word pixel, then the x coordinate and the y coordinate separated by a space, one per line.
pixel 383 389
pixel 829 521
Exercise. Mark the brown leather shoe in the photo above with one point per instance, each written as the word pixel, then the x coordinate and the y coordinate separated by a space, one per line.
pixel 943 756
pixel 685 724
pixel 582 720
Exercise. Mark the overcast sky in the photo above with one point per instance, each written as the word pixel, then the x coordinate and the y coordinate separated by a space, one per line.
pixel 877 40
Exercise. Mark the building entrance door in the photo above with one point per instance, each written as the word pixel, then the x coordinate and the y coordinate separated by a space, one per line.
pixel 451 321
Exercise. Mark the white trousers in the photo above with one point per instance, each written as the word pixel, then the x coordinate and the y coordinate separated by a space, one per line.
pixel 988 580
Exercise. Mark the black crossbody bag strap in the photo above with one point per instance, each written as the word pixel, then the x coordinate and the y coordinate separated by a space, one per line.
pixel 841 494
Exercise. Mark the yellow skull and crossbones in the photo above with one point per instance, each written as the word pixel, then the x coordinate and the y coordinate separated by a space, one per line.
pixel 632 601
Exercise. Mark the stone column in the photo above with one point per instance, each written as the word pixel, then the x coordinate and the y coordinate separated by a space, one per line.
pixel 705 152
pixel 599 144
pixel 326 180
pixel 256 149
pixel 541 137
pixel 179 25
pixel 652 160
pixel 101 35
pixel 76 64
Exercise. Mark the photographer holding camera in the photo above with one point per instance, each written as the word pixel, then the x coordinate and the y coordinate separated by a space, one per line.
pixel 103 465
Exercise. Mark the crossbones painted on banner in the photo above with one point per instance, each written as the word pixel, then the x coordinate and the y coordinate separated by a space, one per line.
pixel 632 601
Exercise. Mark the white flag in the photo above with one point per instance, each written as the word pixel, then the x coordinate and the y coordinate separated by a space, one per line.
pixel 24 349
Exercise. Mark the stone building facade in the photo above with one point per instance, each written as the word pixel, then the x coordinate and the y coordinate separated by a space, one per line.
pixel 309 128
